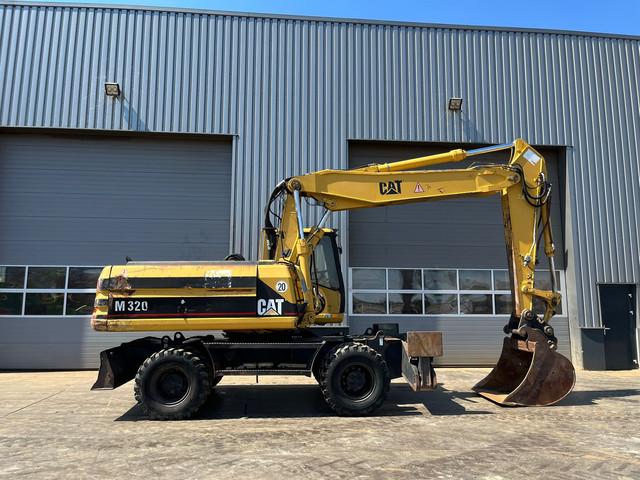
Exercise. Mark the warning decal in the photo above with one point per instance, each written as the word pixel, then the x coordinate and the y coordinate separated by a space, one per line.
pixel 531 156
pixel 418 189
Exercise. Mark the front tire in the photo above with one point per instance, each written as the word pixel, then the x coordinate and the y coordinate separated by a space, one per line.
pixel 172 384
pixel 354 379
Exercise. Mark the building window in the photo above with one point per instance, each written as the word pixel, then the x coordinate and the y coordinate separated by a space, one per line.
pixel 441 303
pixel 370 303
pixel 79 303
pixel 404 279
pixel 475 279
pixel 405 304
pixel 46 277
pixel 438 291
pixel 10 303
pixel 44 304
pixel 440 279
pixel 35 290
pixel 12 277
pixel 83 277
pixel 503 303
pixel 369 278
pixel 478 303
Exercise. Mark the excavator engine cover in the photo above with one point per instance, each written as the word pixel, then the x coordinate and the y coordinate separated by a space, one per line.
pixel 528 373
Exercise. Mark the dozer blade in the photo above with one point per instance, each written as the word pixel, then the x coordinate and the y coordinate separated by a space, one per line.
pixel 118 365
pixel 528 373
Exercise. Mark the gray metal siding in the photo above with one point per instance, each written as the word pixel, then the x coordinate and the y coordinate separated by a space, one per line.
pixel 295 90
pixel 57 343
pixel 92 200
pixel 456 233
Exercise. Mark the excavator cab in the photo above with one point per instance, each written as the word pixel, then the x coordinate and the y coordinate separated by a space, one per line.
pixel 326 275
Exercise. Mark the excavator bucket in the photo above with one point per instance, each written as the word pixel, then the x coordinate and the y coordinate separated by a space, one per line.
pixel 528 373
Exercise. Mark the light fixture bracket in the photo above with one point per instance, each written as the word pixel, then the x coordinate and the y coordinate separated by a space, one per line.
pixel 112 89
pixel 455 104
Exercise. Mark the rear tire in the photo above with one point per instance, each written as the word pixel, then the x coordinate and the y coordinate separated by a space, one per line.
pixel 172 384
pixel 354 379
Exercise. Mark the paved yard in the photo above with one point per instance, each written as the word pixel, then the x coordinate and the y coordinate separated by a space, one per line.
pixel 52 426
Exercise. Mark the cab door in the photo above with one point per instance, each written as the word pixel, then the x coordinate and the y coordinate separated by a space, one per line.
pixel 328 283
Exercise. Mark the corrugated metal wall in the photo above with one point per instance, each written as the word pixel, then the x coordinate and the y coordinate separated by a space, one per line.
pixel 295 90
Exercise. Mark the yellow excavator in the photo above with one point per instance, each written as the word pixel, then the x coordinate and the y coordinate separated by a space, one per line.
pixel 264 316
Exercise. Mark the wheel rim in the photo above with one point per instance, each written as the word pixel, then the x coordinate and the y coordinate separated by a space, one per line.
pixel 357 381
pixel 169 385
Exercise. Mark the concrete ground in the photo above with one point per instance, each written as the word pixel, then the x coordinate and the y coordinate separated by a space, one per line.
pixel 52 426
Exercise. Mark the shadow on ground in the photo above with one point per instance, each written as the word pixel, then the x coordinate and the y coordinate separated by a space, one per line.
pixel 291 401
pixel 590 397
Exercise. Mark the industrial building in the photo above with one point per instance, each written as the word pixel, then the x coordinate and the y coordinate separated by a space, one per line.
pixel 158 134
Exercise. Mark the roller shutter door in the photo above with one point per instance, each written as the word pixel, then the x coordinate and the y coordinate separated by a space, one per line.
pixel 92 200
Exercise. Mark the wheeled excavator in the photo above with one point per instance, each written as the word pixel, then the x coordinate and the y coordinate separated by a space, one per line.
pixel 269 311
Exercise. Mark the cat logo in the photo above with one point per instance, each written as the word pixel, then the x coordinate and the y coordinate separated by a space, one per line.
pixel 270 307
pixel 390 188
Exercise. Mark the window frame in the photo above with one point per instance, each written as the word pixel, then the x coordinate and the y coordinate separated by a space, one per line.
pixel 66 290
pixel 493 292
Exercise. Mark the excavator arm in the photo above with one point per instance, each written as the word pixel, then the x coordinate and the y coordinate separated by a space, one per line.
pixel 522 185
pixel 525 191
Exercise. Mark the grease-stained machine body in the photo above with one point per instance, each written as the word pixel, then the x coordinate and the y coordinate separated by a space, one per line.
pixel 229 296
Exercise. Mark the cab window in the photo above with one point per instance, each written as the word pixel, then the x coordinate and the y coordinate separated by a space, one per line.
pixel 324 268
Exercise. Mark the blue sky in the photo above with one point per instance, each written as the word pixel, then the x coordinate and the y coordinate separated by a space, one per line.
pixel 610 16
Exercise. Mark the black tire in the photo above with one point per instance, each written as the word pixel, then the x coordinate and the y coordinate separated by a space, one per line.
pixel 316 370
pixel 216 380
pixel 354 379
pixel 172 384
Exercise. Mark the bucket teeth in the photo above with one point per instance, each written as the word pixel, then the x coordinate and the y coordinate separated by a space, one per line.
pixel 528 373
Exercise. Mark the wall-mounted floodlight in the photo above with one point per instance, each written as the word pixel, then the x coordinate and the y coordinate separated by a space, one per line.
pixel 455 104
pixel 112 89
